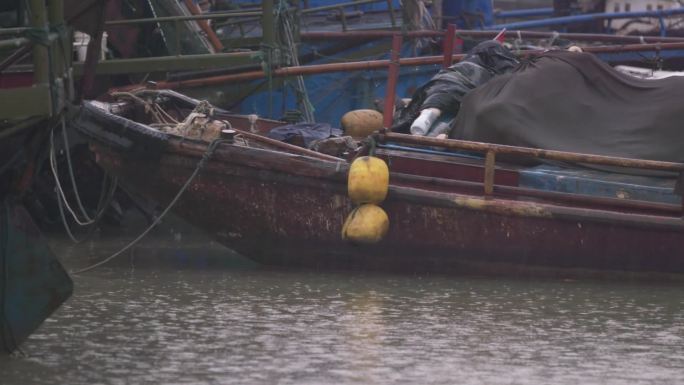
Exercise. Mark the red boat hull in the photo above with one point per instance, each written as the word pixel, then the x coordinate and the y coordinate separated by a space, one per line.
pixel 288 210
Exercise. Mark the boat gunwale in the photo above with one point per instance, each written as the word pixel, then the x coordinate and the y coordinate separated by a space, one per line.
pixel 229 158
pixel 336 171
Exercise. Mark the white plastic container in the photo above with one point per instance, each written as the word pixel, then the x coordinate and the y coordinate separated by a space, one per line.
pixel 422 124
pixel 81 41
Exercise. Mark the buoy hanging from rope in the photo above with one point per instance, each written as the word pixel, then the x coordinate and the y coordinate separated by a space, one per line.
pixel 367 186
pixel 367 224
pixel 368 180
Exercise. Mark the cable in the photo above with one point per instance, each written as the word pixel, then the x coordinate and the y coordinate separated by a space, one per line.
pixel 71 171
pixel 53 166
pixel 200 165
pixel 102 205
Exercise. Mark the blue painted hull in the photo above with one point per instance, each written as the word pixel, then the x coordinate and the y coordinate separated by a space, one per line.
pixel 33 283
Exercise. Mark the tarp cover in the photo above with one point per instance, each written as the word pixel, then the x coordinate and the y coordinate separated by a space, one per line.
pixel 447 88
pixel 575 102
pixel 304 133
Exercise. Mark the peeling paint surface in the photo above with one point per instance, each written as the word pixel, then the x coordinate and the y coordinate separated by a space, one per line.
pixel 276 217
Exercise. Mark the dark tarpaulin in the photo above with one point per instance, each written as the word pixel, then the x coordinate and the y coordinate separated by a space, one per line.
pixel 304 134
pixel 574 102
pixel 446 89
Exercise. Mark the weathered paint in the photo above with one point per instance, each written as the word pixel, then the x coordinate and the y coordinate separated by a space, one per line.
pixel 288 210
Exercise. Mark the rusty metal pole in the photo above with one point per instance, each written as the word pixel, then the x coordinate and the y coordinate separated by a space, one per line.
pixel 490 163
pixel 448 49
pixel 392 77
pixel 39 21
pixel 268 45
pixel 93 55
pixel 204 25
pixel 56 18
pixel 374 65
pixel 268 24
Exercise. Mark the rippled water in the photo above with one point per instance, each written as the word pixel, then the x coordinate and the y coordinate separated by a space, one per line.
pixel 194 315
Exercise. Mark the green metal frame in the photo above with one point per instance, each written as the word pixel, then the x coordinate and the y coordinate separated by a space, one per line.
pixel 51 60
pixel 171 63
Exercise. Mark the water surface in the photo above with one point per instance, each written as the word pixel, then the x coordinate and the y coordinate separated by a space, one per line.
pixel 189 313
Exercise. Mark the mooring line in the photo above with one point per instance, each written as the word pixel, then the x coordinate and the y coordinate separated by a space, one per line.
pixel 200 165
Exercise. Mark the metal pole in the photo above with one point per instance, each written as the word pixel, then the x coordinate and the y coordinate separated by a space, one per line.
pixel 56 17
pixel 93 55
pixel 211 35
pixel 268 44
pixel 14 43
pixel 184 18
pixel 448 48
pixel 41 68
pixel 390 10
pixel 531 152
pixel 268 24
pixel 393 75
pixel 378 34
pixel 380 64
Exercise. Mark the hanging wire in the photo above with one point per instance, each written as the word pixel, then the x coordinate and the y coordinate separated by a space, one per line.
pixel 205 158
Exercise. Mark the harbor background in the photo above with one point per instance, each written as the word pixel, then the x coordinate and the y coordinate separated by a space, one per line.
pixel 181 309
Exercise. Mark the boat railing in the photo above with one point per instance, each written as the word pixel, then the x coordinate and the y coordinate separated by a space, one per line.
pixel 247 16
pixel 659 14
pixel 491 150
pixel 47 42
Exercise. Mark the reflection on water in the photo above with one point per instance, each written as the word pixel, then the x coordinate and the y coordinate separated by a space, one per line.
pixel 195 316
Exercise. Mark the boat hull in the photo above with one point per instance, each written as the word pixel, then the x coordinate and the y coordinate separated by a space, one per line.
pixel 286 210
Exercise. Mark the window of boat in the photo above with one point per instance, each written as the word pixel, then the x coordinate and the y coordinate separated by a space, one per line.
pixel 616 7
pixel 628 7
pixel 660 7
pixel 649 7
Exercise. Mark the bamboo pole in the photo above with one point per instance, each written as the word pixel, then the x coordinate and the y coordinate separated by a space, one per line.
pixel 530 152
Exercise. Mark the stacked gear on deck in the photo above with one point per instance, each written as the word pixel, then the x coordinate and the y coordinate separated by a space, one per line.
pixel 574 102
pixel 446 90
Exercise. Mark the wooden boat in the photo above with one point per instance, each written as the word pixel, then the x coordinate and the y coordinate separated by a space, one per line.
pixel 449 211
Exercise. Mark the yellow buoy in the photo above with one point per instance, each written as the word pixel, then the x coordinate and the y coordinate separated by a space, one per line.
pixel 361 123
pixel 368 180
pixel 366 224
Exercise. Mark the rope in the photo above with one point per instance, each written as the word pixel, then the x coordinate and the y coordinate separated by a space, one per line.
pixel 149 106
pixel 210 150
pixel 60 205
pixel 58 184
pixel 71 171
pixel 103 203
